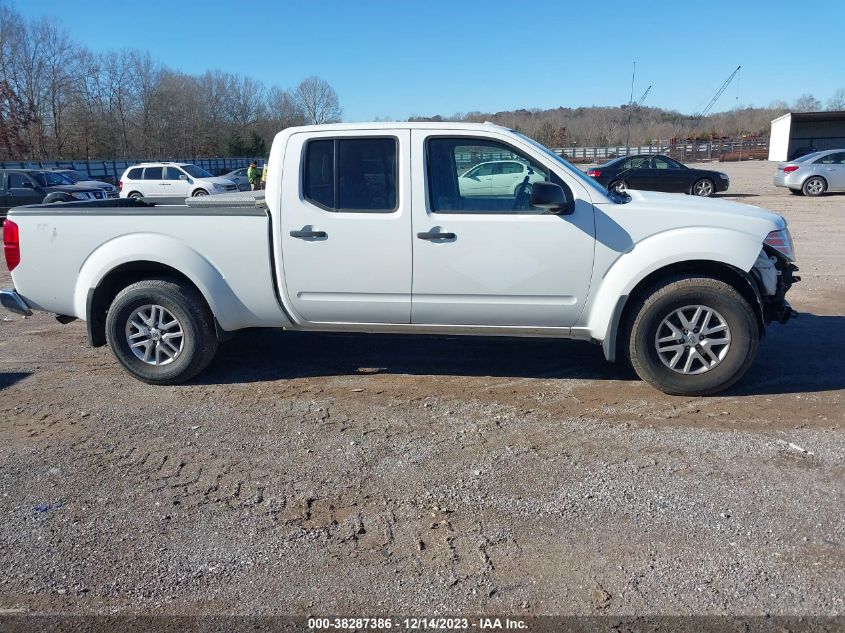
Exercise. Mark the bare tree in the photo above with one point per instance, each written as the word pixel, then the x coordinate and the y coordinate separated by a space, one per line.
pixel 837 101
pixel 807 103
pixel 318 100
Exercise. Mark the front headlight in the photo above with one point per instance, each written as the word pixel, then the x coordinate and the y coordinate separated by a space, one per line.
pixel 781 241
pixel 723 176
pixel 219 187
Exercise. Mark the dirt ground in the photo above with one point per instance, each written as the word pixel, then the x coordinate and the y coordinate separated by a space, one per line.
pixel 378 475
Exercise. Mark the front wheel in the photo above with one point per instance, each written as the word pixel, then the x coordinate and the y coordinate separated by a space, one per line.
pixel 161 331
pixel 200 192
pixel 704 188
pixel 692 336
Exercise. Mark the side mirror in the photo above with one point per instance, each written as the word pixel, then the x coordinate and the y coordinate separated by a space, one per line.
pixel 27 185
pixel 183 177
pixel 548 195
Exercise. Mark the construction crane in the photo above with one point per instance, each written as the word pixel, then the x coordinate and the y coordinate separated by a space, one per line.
pixel 645 94
pixel 716 96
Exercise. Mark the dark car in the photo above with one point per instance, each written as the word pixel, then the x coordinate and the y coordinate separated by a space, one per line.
pixel 81 178
pixel 30 186
pixel 658 173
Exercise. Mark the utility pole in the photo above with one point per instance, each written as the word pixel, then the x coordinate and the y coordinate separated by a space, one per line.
pixel 630 109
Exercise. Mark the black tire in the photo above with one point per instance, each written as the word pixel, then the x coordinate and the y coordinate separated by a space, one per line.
pixel 187 306
pixel 814 186
pixel 659 302
pixel 199 192
pixel 135 195
pixel 796 192
pixel 704 188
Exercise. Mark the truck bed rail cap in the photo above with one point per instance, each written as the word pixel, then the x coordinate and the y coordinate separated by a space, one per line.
pixel 254 199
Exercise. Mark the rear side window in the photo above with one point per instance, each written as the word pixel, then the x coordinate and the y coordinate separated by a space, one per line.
pixel 152 173
pixel 837 158
pixel 352 174
pixel 134 174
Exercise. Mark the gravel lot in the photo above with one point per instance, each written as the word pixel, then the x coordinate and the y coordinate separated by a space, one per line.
pixel 376 475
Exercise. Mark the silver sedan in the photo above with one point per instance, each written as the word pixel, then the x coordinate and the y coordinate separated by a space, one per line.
pixel 813 174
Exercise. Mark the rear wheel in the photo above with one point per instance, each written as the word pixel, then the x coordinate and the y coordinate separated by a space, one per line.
pixel 703 187
pixel 161 331
pixel 136 195
pixel 692 336
pixel 814 186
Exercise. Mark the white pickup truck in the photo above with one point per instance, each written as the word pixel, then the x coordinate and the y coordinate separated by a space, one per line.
pixel 445 228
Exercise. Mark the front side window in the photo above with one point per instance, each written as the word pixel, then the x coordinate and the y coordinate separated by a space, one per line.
pixel 351 174
pixel 19 181
pixel 474 175
pixel 153 173
pixel 196 172
pixel 172 173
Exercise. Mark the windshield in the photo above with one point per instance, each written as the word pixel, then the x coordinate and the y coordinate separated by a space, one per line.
pixel 572 169
pixel 51 179
pixel 196 172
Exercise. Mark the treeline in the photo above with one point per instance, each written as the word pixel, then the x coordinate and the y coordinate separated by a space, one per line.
pixel 599 126
pixel 59 100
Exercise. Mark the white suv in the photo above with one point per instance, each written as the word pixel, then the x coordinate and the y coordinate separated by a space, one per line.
pixel 171 180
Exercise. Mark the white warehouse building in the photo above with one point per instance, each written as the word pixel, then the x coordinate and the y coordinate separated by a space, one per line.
pixel 800 130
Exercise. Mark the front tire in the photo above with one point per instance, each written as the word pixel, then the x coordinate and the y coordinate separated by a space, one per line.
pixel 703 188
pixel 199 192
pixel 161 331
pixel 692 336
pixel 814 186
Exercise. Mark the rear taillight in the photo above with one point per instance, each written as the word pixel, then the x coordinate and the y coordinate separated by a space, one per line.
pixel 790 168
pixel 120 185
pixel 594 173
pixel 11 244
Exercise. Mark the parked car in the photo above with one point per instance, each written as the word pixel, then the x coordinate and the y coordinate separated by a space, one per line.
pixel 79 178
pixel 30 186
pixel 171 180
pixel 813 174
pixel 238 176
pixel 658 173
pixel 497 178
pixel 364 228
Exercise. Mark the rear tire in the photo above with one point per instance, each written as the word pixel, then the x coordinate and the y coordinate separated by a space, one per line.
pixel 814 186
pixel 141 333
pixel 706 363
pixel 136 195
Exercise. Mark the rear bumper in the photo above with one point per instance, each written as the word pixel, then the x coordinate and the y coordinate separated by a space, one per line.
pixel 13 302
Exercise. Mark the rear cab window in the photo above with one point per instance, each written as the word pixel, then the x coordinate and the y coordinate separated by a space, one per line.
pixel 350 174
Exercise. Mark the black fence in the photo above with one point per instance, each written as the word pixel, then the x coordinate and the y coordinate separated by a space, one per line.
pixel 112 170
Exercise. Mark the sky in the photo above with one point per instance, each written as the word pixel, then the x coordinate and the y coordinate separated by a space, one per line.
pixel 395 59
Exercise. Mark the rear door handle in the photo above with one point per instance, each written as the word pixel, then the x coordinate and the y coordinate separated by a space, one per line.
pixel 306 234
pixel 431 235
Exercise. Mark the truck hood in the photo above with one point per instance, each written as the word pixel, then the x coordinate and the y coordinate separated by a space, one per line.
pixel 698 210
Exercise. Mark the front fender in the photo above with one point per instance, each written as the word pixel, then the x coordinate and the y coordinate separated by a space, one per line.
pixel 621 276
pixel 161 249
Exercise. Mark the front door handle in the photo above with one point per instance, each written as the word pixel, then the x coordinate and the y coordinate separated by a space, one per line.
pixel 309 234
pixel 432 235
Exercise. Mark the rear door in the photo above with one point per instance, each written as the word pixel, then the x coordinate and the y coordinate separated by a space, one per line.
pixel 153 184
pixel 494 261
pixel 346 226
pixel 832 168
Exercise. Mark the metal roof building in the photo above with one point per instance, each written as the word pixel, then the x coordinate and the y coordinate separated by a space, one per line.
pixel 797 130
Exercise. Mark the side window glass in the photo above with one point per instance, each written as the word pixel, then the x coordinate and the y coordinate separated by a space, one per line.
pixel 171 173
pixel 152 173
pixel 351 174
pixel 135 174
pixel 455 184
pixel 19 181
pixel 319 173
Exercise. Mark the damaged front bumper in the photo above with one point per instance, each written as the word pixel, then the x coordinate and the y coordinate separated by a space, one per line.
pixel 775 306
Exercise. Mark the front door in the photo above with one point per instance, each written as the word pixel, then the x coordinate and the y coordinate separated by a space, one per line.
pixel 346 235
pixel 21 189
pixel 175 183
pixel 495 260
pixel 670 175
